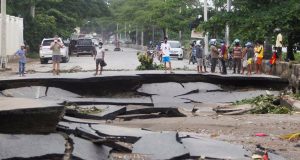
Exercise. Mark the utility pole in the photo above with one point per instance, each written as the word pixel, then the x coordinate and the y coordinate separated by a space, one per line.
pixel 142 37
pixel 206 34
pixel 125 32
pixel 227 26
pixel 3 33
pixel 180 34
pixel 136 36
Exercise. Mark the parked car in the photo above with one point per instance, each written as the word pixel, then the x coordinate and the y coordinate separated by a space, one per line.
pixel 46 53
pixel 85 46
pixel 176 50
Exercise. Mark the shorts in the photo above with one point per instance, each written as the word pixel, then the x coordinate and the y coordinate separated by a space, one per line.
pixel 259 60
pixel 200 61
pixel 100 62
pixel 166 59
pixel 278 52
pixel 56 58
pixel 249 61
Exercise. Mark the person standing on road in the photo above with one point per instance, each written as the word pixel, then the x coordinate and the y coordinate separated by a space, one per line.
pixel 259 52
pixel 250 54
pixel 165 51
pixel 224 57
pixel 279 44
pixel 199 56
pixel 99 58
pixel 193 53
pixel 214 55
pixel 55 46
pixel 21 53
pixel 237 57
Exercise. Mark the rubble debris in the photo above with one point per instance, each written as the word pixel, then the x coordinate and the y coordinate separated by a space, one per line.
pixel 171 112
pixel 21 115
pixel 233 110
pixel 32 146
pixel 95 112
pixel 161 146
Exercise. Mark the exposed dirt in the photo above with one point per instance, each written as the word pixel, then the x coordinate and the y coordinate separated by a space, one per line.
pixel 239 129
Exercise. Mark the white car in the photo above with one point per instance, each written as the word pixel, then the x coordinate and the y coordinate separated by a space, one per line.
pixel 176 50
pixel 46 52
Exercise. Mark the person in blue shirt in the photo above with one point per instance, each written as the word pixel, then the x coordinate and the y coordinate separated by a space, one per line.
pixel 21 53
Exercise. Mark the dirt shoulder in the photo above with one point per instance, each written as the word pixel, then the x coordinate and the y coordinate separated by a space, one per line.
pixel 235 129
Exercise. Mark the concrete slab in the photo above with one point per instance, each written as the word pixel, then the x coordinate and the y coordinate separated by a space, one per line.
pixel 161 146
pixel 225 97
pixel 21 115
pixel 40 92
pixel 169 89
pixel 29 146
pixel 208 148
pixel 85 149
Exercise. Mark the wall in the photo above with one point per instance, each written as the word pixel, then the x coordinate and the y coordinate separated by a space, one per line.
pixel 287 70
pixel 14 34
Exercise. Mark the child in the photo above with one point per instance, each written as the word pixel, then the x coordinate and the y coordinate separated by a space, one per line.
pixel 259 51
pixel 99 58
pixel 21 53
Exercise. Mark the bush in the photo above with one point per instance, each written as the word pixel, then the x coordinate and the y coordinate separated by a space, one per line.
pixel 265 104
pixel 147 63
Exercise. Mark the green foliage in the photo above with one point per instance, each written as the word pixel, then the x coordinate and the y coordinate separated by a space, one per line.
pixel 53 17
pixel 265 104
pixel 147 63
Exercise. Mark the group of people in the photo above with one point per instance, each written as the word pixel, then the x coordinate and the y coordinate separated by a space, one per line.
pixel 244 57
pixel 56 47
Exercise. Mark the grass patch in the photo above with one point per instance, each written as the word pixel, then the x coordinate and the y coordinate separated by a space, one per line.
pixel 265 104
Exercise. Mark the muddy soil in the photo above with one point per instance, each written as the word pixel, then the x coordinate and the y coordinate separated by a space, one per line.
pixel 239 129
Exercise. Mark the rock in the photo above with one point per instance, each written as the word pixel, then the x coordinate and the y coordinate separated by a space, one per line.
pixel 145 101
pixel 31 146
pixel 21 115
pixel 161 146
pixel 78 120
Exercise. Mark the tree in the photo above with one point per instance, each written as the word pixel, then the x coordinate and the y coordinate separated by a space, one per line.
pixel 256 20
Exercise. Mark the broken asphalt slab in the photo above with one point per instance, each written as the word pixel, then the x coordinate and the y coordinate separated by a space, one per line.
pixel 225 97
pixel 39 92
pixel 200 147
pixel 21 115
pixel 161 146
pixel 88 85
pixel 85 149
pixel 30 146
pixel 128 135
pixel 144 101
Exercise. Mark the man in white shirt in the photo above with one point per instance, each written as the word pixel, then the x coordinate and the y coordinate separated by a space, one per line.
pixel 278 44
pixel 165 51
pixel 99 58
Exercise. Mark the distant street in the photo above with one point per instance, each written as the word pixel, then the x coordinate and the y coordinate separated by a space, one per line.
pixel 116 61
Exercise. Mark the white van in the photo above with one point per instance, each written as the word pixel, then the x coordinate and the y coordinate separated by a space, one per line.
pixel 176 50
pixel 46 52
